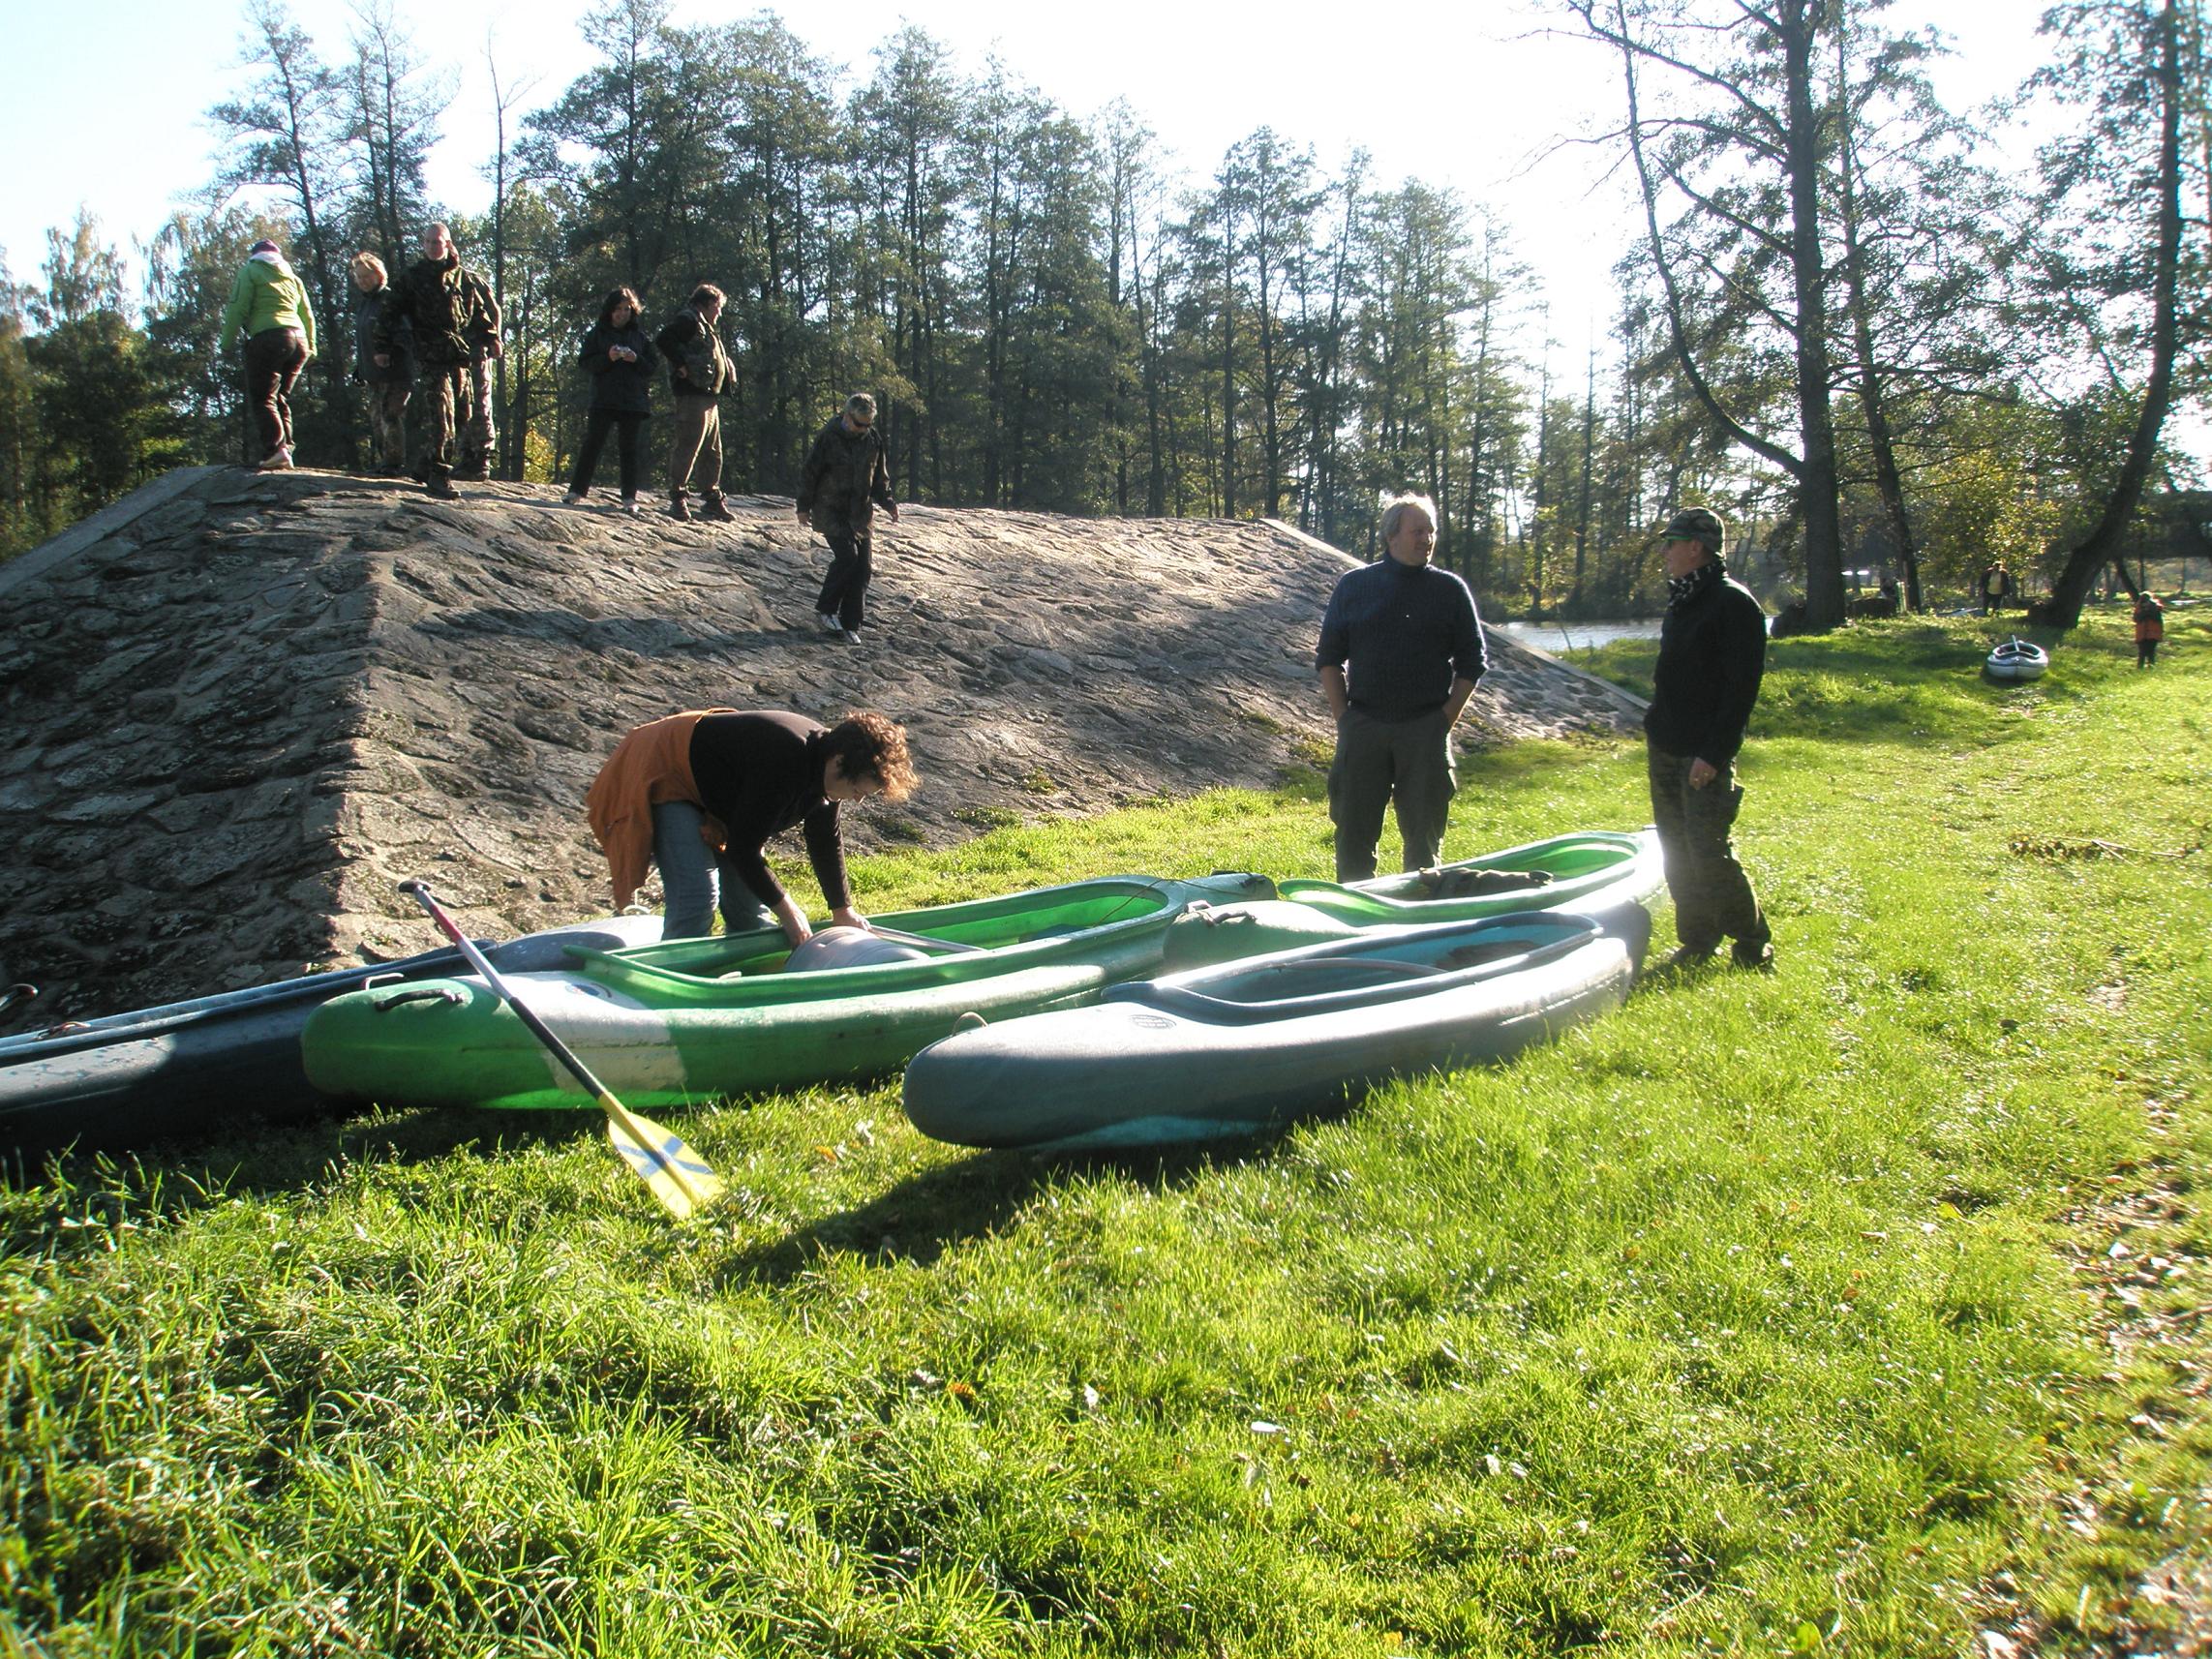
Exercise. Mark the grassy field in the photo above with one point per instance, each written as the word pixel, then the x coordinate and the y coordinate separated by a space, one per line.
pixel 1852 1309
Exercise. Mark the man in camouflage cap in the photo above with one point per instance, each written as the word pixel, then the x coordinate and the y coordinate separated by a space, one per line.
pixel 1712 648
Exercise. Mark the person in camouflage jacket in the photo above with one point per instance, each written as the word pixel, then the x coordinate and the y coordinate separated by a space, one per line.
pixel 476 434
pixel 434 300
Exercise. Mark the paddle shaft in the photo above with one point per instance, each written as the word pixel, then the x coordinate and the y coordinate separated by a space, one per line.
pixel 477 960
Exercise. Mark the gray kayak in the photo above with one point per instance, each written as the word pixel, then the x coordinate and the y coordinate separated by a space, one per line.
pixel 188 1068
pixel 1244 1046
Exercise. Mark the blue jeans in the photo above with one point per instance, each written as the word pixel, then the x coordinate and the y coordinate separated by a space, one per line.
pixel 694 879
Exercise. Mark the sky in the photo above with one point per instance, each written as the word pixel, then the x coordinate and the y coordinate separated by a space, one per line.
pixel 1481 96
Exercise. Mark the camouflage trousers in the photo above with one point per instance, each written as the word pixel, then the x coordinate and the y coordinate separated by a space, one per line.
pixel 388 423
pixel 442 395
pixel 1712 896
pixel 478 435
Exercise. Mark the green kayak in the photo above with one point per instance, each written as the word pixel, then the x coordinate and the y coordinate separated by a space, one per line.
pixel 697 1018
pixel 1594 872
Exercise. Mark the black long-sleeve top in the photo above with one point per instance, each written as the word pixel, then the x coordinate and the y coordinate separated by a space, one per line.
pixel 760 773
pixel 1713 651
pixel 625 387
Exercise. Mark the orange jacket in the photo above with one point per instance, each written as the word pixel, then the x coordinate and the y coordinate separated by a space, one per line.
pixel 650 766
pixel 2150 620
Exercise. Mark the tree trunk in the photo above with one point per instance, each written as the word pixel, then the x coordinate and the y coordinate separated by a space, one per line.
pixel 2063 608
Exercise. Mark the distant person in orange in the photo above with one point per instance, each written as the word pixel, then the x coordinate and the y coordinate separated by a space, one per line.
pixel 2150 627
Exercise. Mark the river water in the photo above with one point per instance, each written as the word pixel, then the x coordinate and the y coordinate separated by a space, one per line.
pixel 1576 636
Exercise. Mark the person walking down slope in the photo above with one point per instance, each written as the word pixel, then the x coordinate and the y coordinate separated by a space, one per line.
pixel 620 361
pixel 431 304
pixel 699 371
pixel 270 305
pixel 846 477
pixel 1713 652
pixel 387 387
pixel 2150 628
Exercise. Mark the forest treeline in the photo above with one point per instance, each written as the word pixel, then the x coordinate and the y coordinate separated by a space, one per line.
pixel 1846 324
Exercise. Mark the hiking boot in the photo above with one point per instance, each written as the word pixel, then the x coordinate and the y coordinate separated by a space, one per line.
pixel 472 472
pixel 710 507
pixel 1757 957
pixel 441 488
pixel 679 508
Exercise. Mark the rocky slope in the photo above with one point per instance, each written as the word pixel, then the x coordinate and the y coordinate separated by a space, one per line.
pixel 240 708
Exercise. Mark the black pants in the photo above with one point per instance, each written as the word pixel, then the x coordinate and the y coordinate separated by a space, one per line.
pixel 626 425
pixel 852 562
pixel 274 359
pixel 2146 653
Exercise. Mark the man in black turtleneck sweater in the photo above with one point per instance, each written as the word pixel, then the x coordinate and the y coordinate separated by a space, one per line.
pixel 1399 651
pixel 1712 648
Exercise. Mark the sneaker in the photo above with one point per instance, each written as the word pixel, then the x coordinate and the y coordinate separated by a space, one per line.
pixel 852 636
pixel 574 498
pixel 1758 958
pixel 278 459
pixel 828 624
pixel 630 505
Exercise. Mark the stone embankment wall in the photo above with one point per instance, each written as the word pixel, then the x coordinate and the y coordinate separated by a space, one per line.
pixel 239 710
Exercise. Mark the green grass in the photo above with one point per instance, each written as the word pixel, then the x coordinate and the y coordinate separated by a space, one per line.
pixel 1770 1315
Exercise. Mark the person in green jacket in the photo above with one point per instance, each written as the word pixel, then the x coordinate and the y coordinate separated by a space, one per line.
pixel 270 305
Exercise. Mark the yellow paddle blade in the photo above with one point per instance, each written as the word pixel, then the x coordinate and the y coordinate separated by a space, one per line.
pixel 678 1176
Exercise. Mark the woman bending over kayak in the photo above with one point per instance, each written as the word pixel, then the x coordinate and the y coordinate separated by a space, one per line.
pixel 698 794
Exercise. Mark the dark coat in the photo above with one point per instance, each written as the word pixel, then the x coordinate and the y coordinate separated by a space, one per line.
pixel 437 303
pixel 845 478
pixel 625 387
pixel 1713 652
pixel 368 313
pixel 689 343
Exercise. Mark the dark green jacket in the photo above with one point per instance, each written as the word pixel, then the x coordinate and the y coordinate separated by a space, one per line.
pixel 438 306
pixel 845 478
pixel 691 346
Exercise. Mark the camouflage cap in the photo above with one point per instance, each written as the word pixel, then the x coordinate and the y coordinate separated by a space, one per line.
pixel 1697 523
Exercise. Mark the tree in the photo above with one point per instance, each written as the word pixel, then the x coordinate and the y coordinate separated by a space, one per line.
pixel 2115 191
pixel 1742 267
pixel 286 136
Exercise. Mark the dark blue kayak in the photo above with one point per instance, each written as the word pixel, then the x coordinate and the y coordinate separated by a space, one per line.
pixel 186 1068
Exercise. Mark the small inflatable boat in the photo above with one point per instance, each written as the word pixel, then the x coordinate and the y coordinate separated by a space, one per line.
pixel 2018 660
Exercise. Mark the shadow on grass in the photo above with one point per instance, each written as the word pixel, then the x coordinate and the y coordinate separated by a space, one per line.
pixel 921 1218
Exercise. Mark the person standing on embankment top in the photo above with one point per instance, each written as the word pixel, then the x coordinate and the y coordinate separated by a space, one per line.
pixel 699 371
pixel 1401 650
pixel 270 305
pixel 1713 651
pixel 388 386
pixel 476 433
pixel 434 300
pixel 619 359
pixel 846 477
pixel 698 794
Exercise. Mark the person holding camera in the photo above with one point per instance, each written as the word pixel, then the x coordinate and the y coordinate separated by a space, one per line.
pixel 619 358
